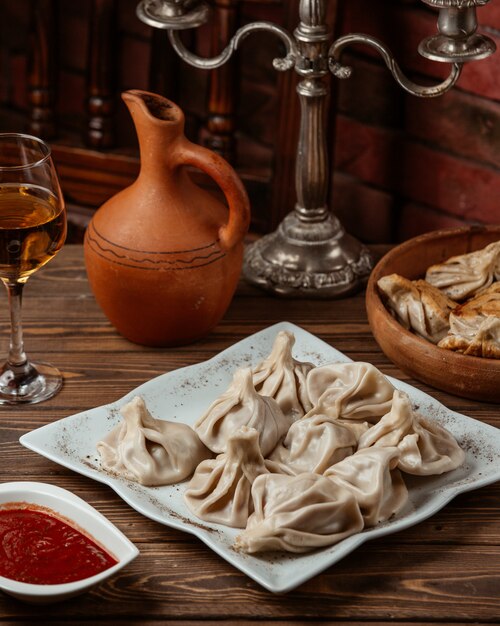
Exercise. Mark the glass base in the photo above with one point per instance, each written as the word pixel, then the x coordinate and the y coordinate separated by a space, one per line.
pixel 35 382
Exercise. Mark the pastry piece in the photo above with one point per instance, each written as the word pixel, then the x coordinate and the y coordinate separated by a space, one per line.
pixel 475 326
pixel 354 391
pixel 313 444
pixel 148 450
pixel 417 305
pixel 283 378
pixel 474 337
pixel 298 514
pixel 239 406
pixel 463 276
pixel 377 484
pixel 220 489
pixel 426 447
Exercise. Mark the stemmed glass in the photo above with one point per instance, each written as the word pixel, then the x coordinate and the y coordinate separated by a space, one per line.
pixel 32 231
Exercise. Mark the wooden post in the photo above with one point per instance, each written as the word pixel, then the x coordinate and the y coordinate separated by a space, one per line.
pixel 41 69
pixel 101 74
pixel 223 84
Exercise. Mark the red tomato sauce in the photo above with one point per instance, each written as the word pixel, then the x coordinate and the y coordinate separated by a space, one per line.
pixel 38 548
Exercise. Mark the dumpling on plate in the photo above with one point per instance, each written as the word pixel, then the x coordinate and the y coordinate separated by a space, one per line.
pixel 463 276
pixel 354 391
pixel 298 514
pixel 393 426
pixel 148 450
pixel 426 447
pixel 372 475
pixel 313 444
pixel 475 326
pixel 417 305
pixel 241 405
pixel 220 489
pixel 429 449
pixel 283 378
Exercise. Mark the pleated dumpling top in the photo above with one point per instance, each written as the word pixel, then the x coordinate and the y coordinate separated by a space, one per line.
pixel 426 448
pixel 283 378
pixel 298 514
pixel 220 489
pixel 150 451
pixel 354 391
pixel 313 444
pixel 372 476
pixel 241 405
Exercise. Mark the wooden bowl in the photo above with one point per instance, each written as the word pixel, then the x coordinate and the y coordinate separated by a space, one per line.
pixel 465 376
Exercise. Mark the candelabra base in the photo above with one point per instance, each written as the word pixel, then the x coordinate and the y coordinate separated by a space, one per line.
pixel 308 259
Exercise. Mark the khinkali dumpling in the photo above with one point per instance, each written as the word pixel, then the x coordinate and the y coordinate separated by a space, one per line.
pixel 418 306
pixel 299 513
pixel 430 449
pixel 313 444
pixel 220 489
pixel 475 326
pixel 150 451
pixel 465 275
pixel 239 406
pixel 357 391
pixel 426 447
pixel 393 426
pixel 372 476
pixel 283 378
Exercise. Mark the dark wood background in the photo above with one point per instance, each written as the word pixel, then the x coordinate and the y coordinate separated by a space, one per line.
pixel 400 165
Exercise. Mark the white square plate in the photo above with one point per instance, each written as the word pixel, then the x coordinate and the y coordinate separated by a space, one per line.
pixel 183 395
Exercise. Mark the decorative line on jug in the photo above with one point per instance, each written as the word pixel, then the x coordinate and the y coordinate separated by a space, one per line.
pixel 161 265
pixel 116 245
pixel 159 269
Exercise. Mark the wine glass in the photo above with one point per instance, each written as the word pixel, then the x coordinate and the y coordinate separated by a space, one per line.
pixel 32 231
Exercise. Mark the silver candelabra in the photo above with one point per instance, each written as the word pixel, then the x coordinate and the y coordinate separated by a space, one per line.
pixel 310 254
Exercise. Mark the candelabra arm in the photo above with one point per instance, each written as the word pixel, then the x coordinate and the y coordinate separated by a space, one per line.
pixel 422 91
pixel 281 63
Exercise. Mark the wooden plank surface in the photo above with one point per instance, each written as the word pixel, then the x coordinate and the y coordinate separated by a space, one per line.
pixel 446 569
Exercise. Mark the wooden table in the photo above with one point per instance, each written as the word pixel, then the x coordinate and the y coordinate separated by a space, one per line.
pixel 446 569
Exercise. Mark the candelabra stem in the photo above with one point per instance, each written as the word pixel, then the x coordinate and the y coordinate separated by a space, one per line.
pixel 311 175
pixel 310 254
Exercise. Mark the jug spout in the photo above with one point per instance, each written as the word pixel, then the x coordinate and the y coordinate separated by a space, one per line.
pixel 159 124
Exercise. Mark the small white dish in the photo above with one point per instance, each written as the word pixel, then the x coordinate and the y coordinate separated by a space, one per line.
pixel 73 509
pixel 184 394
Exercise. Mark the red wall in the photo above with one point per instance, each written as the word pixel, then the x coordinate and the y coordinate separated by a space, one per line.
pixel 405 165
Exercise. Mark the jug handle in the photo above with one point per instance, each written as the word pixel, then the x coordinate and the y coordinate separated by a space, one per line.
pixel 228 180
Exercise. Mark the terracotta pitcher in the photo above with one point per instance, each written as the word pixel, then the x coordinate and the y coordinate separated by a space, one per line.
pixel 164 256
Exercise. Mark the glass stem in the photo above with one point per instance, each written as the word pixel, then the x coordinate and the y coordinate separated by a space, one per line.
pixel 17 357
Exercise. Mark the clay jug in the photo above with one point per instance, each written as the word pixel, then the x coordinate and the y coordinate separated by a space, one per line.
pixel 164 256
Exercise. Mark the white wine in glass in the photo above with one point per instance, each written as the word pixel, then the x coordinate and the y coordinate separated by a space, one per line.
pixel 32 231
